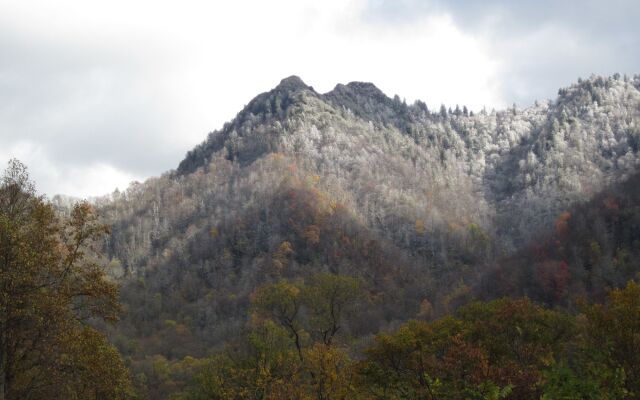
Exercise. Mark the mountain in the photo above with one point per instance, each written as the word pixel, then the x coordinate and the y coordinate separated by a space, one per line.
pixel 512 171
pixel 429 208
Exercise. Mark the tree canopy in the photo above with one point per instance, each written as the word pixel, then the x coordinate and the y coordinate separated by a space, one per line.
pixel 51 290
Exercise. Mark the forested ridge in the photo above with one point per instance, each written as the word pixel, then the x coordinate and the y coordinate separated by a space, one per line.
pixel 351 245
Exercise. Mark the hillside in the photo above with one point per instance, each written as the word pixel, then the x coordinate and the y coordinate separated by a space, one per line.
pixel 422 206
pixel 593 246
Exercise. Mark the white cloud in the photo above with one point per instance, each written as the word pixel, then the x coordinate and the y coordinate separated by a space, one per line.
pixel 92 179
pixel 542 45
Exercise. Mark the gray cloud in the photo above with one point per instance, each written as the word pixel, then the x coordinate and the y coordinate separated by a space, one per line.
pixel 68 105
pixel 82 103
pixel 613 19
pixel 542 45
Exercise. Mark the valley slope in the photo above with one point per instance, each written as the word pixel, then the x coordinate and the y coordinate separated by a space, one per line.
pixel 428 208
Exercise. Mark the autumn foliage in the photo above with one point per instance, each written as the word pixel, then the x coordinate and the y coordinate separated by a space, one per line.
pixel 51 290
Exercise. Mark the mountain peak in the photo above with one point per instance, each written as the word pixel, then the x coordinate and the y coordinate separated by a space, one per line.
pixel 357 92
pixel 365 88
pixel 249 145
pixel 291 84
pixel 368 102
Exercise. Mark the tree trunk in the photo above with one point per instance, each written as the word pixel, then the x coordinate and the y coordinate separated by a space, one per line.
pixel 3 378
pixel 3 364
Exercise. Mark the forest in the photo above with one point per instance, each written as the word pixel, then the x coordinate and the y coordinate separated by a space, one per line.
pixel 343 245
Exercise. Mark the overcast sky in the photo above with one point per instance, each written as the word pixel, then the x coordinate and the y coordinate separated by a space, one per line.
pixel 96 94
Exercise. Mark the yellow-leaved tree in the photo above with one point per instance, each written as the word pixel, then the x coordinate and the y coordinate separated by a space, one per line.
pixel 51 289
